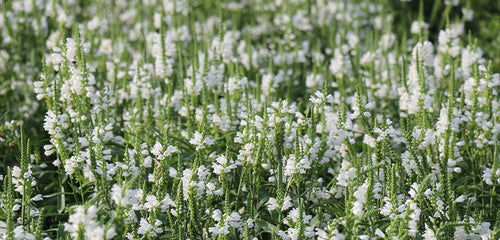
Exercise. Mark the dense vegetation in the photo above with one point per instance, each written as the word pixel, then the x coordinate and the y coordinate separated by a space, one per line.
pixel 285 119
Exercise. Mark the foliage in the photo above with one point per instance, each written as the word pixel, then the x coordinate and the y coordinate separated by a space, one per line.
pixel 286 119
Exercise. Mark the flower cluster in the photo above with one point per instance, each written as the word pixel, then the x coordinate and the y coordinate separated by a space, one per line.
pixel 260 119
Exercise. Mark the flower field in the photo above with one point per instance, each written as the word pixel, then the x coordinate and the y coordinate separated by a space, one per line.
pixel 257 119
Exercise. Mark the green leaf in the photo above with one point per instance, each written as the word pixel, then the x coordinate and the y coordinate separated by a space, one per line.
pixel 266 226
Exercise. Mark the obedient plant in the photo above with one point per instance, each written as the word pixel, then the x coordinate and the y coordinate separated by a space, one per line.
pixel 277 119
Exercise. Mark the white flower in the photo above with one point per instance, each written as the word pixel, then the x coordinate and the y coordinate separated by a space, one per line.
pixel 197 139
pixel 49 149
pixel 424 52
pixel 377 188
pixel 364 237
pixel 367 58
pixel 346 174
pixel 16 207
pixel 352 39
pixel 408 163
pixel 360 196
pixel 429 233
pixel 157 148
pixel 222 164
pixel 468 14
pixel 166 203
pixel 16 172
pixel 234 220
pixel 418 27
pixel 132 197
pixel 414 217
pixel 170 149
pixel 85 220
pixel 250 223
pixel 187 175
pixel 144 227
pixel 461 198
pixel 209 141
pixel 337 64
pixel 216 215
pixel 106 46
pixel 148 162
pixel 369 140
pixel 303 165
pixel 116 194
pixel 199 142
pixel 38 197
pixel 379 233
pixel 39 90
pixel 387 208
pixel 487 174
pixel 20 233
pixel 70 165
pixel 151 203
pixel 387 40
pixel 287 203
pixel 314 80
pixel 50 122
pixel 483 230
pixel 83 142
pixel 70 49
pixel 290 168
pixel 172 172
pixel 233 84
pixel 272 204
pixel 222 160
